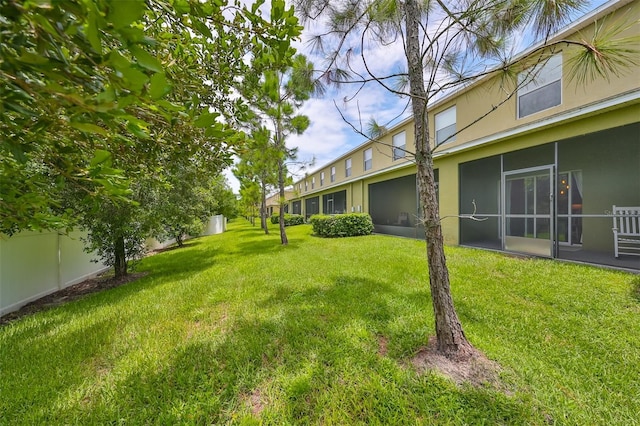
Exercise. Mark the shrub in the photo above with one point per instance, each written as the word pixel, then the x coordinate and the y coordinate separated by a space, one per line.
pixel 289 219
pixel 342 225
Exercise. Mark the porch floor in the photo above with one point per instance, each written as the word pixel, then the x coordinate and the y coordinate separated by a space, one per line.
pixel 600 258
pixel 576 254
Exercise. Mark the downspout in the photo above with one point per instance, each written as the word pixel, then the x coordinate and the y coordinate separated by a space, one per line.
pixel 362 196
pixel 554 217
pixel 351 196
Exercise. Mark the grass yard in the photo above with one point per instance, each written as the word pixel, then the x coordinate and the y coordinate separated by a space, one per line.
pixel 236 329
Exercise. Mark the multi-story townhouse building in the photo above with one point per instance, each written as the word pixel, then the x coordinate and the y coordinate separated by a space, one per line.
pixel 273 202
pixel 539 175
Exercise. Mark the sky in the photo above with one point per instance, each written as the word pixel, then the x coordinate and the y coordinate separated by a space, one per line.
pixel 328 135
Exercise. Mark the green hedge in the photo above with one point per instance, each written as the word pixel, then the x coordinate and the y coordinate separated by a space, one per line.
pixel 341 225
pixel 289 219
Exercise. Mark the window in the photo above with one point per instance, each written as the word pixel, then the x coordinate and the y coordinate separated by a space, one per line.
pixel 306 186
pixel 446 125
pixel 347 167
pixel 321 178
pixel 333 173
pixel 543 88
pixel 313 182
pixel 368 158
pixel 399 143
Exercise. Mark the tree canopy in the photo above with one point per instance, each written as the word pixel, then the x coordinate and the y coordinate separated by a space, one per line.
pixel 89 86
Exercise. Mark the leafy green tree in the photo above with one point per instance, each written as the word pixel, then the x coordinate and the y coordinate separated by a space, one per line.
pixel 102 99
pixel 82 77
pixel 192 195
pixel 62 64
pixel 171 196
pixel 117 229
pixel 446 45
pixel 226 202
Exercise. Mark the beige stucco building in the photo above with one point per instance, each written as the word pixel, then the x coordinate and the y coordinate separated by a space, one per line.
pixel 540 173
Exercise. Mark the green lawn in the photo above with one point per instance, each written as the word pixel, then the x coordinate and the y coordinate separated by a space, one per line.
pixel 237 329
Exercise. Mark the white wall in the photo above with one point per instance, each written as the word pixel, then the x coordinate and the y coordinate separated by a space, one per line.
pixel 35 264
pixel 152 244
pixel 75 264
pixel 216 225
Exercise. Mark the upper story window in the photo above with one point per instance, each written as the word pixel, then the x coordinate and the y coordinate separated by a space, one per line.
pixel 368 158
pixel 446 125
pixel 347 167
pixel 321 178
pixel 399 143
pixel 333 173
pixel 542 88
pixel 306 186
pixel 313 182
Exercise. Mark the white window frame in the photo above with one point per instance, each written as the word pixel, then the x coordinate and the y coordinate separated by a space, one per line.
pixel 446 120
pixel 313 182
pixel 321 178
pixel 540 76
pixel 368 162
pixel 347 167
pixel 306 185
pixel 333 173
pixel 399 145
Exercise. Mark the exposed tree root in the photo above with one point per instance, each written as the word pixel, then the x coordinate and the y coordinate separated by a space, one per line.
pixel 473 368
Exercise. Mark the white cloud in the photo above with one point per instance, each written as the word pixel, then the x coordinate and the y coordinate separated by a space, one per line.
pixel 327 133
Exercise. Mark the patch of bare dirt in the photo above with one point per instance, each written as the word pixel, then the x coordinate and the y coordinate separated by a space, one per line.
pixel 476 370
pixel 383 342
pixel 255 402
pixel 70 293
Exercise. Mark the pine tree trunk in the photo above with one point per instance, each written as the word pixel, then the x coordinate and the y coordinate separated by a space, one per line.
pixel 283 234
pixel 452 341
pixel 263 210
pixel 120 257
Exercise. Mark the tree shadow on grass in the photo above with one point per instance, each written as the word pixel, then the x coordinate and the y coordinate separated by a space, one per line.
pixel 153 271
pixel 40 386
pixel 189 243
pixel 300 357
pixel 181 263
pixel 270 245
pixel 261 244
